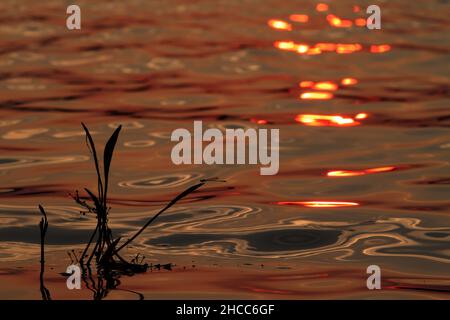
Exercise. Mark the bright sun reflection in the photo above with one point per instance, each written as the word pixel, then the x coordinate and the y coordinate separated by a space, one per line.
pixel 306 84
pixel 337 22
pixel 352 173
pixel 361 116
pixel 320 204
pixel 380 48
pixel 285 45
pixel 348 48
pixel 321 47
pixel 279 24
pixel 302 48
pixel 316 96
pixel 325 85
pixel 322 90
pixel 319 120
pixel 349 81
pixel 326 46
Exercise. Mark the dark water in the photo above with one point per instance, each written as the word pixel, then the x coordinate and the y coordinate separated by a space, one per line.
pixel 364 145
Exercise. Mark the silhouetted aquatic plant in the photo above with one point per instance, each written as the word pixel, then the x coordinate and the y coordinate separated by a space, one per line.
pixel 106 249
pixel 103 248
pixel 109 264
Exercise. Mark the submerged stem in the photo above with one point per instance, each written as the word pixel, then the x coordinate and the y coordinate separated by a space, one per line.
pixel 43 225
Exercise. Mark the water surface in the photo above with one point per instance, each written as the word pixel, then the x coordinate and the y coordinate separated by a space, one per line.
pixel 364 145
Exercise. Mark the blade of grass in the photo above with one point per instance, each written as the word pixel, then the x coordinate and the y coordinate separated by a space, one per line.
pixel 107 157
pixel 94 154
pixel 94 198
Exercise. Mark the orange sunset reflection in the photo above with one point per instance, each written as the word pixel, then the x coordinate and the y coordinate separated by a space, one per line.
pixel 279 24
pixel 339 48
pixel 328 120
pixel 316 96
pixel 349 81
pixel 321 7
pixel 337 22
pixel 380 48
pixel 299 18
pixel 325 85
pixel 319 204
pixel 352 173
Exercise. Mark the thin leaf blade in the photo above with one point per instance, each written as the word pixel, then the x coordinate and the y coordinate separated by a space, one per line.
pixel 94 154
pixel 107 156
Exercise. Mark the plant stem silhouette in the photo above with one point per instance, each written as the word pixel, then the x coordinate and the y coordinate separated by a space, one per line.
pixel 43 225
pixel 110 265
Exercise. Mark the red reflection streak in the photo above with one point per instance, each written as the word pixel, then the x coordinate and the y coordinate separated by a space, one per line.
pixel 266 290
pixel 356 9
pixel 380 48
pixel 352 173
pixel 323 93
pixel 325 85
pixel 285 45
pixel 318 120
pixel 259 121
pixel 326 46
pixel 361 116
pixel 319 204
pixel 380 169
pixel 349 81
pixel 321 7
pixel 348 48
pixel 360 22
pixel 314 51
pixel 299 18
pixel 337 22
pixel 306 84
pixel 279 24
pixel 340 48
pixel 316 96
pixel 345 173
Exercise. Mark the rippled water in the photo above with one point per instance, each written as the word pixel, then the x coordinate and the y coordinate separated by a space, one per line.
pixel 364 145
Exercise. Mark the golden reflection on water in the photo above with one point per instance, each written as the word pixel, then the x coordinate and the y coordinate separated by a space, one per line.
pixel 328 120
pixel 352 173
pixel 364 143
pixel 320 204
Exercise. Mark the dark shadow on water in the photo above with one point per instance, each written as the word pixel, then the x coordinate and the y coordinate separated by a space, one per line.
pixel 262 241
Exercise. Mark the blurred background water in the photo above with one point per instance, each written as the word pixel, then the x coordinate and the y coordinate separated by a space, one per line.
pixel 364 144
